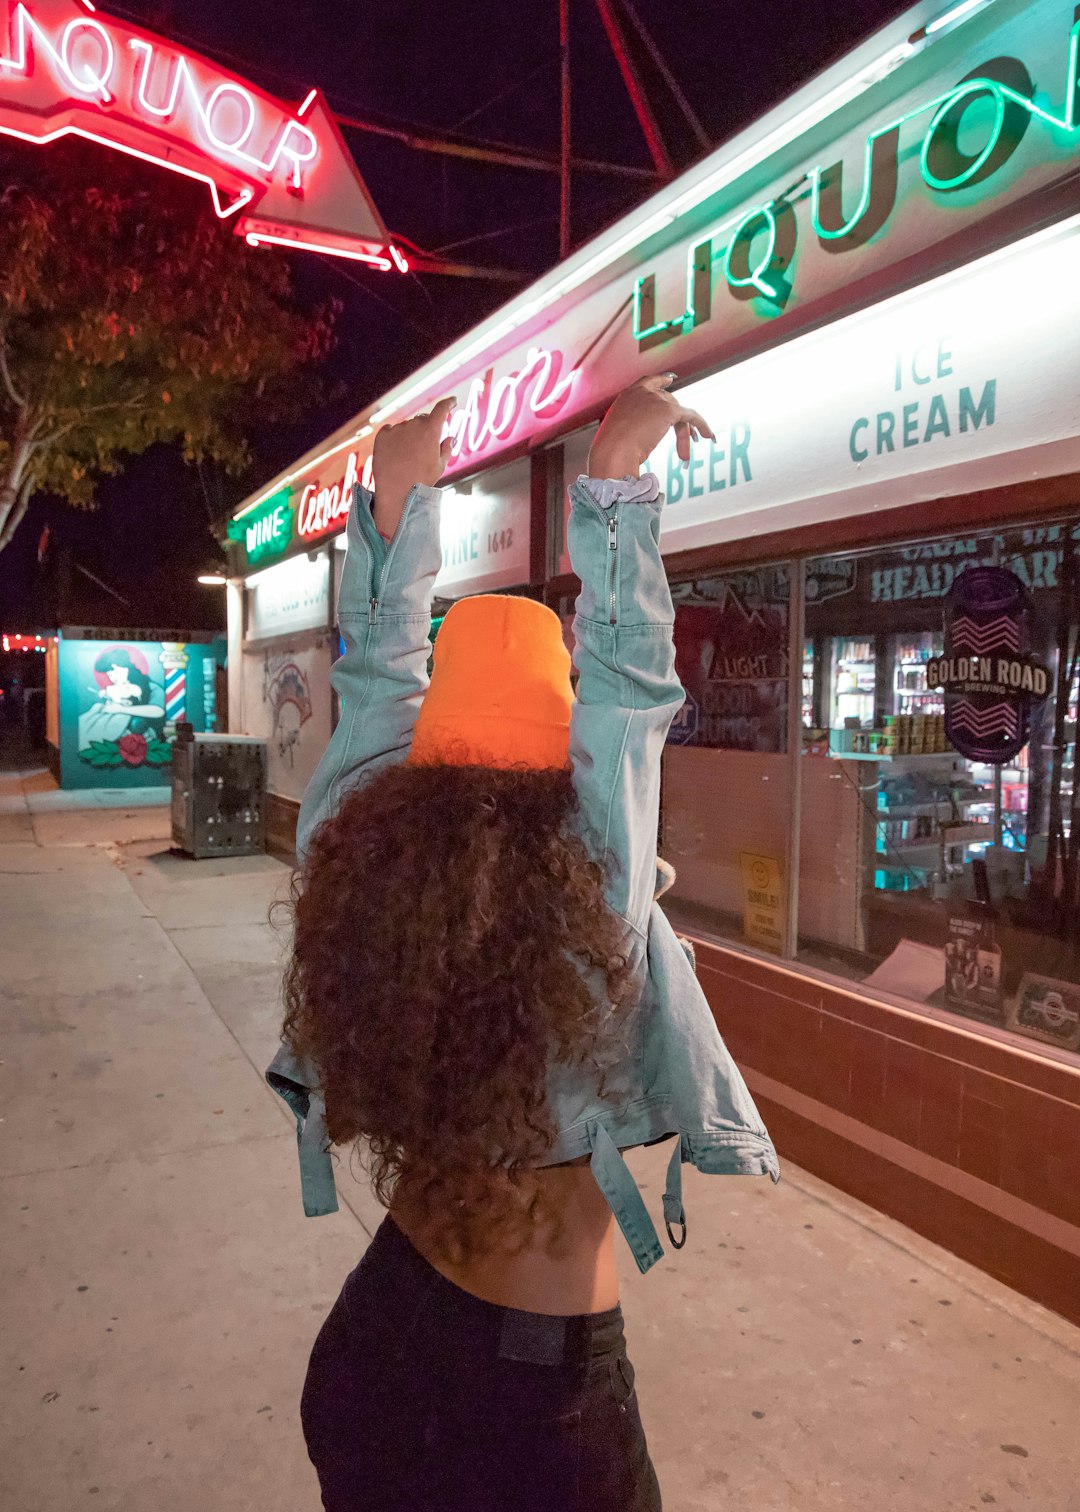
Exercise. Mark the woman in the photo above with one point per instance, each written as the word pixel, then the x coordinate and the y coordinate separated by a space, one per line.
pixel 123 704
pixel 484 993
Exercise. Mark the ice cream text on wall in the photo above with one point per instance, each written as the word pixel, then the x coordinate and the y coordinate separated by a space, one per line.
pixel 280 174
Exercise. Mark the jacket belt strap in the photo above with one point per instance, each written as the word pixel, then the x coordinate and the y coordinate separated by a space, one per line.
pixel 316 1168
pixel 674 1212
pixel 613 1177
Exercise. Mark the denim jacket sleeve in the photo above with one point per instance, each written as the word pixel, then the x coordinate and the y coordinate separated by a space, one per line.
pixel 384 615
pixel 628 692
pixel 385 620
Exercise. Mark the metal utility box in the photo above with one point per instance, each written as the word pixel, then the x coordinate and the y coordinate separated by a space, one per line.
pixel 218 795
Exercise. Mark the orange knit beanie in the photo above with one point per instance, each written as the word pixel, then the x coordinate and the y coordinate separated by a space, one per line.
pixel 500 692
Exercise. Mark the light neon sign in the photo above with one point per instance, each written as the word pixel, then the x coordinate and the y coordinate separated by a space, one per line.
pixel 495 412
pixel 760 242
pixel 266 532
pixel 493 408
pixel 281 174
pixel 323 506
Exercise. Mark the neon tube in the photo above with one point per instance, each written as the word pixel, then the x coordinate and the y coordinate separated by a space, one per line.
pixel 223 212
pixel 257 238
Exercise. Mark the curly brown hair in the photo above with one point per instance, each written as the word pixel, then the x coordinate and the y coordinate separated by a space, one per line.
pixel 451 939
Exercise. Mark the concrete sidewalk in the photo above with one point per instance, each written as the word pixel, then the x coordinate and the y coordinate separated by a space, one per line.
pixel 160 1288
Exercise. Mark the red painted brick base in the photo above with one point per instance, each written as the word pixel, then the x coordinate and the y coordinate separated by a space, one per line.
pixel 977 1110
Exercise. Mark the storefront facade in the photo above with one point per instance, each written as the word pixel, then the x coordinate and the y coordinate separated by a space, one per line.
pixel 869 796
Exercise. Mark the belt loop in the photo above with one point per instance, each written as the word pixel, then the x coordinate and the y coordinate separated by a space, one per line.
pixel 612 1176
pixel 674 1212
pixel 534 1338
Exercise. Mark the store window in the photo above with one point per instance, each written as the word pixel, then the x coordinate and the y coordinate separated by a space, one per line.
pixel 727 790
pixel 939 815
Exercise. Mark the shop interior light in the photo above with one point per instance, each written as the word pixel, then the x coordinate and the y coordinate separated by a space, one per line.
pixel 213 579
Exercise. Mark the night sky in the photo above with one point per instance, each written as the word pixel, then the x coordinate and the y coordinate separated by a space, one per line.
pixel 489 69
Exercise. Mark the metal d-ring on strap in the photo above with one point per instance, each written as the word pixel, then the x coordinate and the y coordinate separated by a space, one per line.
pixel 674 1212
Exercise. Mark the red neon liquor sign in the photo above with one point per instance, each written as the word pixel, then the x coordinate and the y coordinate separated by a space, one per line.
pixel 280 173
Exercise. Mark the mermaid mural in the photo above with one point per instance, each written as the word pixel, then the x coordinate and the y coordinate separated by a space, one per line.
pixel 123 726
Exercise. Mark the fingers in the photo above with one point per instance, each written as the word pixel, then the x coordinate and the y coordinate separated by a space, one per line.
pixel 658 382
pixel 698 425
pixel 444 449
pixel 682 440
pixel 441 412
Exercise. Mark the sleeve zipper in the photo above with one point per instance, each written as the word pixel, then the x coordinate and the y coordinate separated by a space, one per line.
pixel 613 546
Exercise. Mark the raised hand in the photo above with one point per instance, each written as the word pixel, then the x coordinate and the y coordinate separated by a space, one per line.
pixel 637 422
pixel 412 452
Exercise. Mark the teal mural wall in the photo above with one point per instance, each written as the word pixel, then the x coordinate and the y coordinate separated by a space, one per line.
pixel 120 701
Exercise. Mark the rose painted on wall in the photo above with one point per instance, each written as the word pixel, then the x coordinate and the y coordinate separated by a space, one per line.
pixel 133 749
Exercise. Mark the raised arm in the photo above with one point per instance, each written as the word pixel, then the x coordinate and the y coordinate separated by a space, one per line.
pixel 384 614
pixel 628 692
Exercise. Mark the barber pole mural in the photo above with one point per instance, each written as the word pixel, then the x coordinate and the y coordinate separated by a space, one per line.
pixel 989 677
pixel 174 661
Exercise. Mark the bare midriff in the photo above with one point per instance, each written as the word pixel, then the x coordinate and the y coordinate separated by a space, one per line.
pixel 565 1276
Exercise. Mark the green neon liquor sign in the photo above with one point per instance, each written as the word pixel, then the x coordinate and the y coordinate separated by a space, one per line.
pixel 760 241
pixel 267 531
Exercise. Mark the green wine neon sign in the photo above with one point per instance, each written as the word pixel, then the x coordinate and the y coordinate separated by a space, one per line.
pixel 756 247
pixel 267 531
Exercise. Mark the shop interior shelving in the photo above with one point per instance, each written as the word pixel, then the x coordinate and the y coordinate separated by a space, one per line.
pixel 854 681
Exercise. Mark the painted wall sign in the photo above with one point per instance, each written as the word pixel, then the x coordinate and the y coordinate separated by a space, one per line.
pixel 485 533
pixel 989 677
pixel 919 397
pixel 280 174
pixel 286 698
pixel 294 595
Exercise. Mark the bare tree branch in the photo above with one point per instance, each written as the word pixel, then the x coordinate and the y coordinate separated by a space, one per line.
pixel 5 374
pixel 17 511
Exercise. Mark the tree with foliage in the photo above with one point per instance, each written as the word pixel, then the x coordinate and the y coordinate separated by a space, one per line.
pixel 130 315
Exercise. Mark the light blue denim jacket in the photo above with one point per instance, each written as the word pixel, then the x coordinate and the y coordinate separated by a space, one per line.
pixel 673 1077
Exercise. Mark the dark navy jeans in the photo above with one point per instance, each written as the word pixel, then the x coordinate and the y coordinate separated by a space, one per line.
pixel 422 1398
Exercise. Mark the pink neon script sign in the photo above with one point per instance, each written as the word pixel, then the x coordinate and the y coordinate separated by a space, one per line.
pixel 492 411
pixel 323 505
pixel 282 173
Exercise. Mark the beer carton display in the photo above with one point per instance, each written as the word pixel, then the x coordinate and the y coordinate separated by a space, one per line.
pixel 1048 1010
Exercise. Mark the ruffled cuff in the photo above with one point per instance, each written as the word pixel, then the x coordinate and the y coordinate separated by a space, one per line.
pixel 609 491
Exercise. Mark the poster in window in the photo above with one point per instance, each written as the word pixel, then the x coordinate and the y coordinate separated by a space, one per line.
pixel 1048 1010
pixel 731 654
pixel 988 674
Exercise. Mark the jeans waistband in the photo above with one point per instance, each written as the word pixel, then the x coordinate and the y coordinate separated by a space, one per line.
pixel 512 1333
